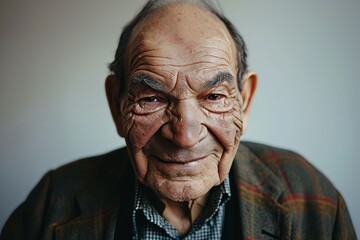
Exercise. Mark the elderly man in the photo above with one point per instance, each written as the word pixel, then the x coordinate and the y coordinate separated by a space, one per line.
pixel 180 95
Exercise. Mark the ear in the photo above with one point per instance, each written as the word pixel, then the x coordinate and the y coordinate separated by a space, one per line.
pixel 112 94
pixel 249 83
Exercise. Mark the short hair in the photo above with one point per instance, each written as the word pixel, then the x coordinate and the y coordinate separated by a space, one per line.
pixel 117 67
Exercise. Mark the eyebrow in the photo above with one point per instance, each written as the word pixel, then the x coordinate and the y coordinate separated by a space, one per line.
pixel 219 78
pixel 147 81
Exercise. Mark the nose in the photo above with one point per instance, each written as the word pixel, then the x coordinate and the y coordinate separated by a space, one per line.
pixel 185 128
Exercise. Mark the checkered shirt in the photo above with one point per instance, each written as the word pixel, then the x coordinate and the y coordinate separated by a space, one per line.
pixel 149 224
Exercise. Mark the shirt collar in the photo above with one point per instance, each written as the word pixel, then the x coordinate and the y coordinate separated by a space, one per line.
pixel 219 195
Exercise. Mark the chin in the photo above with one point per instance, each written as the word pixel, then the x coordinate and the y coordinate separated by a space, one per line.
pixel 183 191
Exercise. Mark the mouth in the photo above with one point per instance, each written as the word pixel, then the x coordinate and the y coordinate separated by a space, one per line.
pixel 178 168
pixel 179 160
pixel 182 167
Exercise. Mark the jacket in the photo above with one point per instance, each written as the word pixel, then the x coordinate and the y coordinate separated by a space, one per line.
pixel 280 196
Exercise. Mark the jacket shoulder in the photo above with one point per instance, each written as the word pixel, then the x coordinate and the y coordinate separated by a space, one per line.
pixel 101 169
pixel 295 172
pixel 315 209
pixel 75 191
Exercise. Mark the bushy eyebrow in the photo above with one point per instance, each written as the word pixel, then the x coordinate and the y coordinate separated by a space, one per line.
pixel 219 78
pixel 146 81
pixel 149 82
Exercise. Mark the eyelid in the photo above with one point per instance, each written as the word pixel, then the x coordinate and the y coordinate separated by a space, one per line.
pixel 144 92
pixel 219 90
pixel 143 107
pixel 222 86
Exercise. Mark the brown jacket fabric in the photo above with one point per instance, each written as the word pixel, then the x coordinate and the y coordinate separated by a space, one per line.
pixel 280 196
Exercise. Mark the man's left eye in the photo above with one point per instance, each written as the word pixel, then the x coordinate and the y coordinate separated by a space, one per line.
pixel 214 97
pixel 217 102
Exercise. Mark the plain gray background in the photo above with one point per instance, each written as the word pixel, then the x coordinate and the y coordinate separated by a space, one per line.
pixel 54 57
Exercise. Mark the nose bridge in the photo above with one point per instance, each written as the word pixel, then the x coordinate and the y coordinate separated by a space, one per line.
pixel 186 123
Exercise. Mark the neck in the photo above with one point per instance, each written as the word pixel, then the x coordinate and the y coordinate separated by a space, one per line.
pixel 181 215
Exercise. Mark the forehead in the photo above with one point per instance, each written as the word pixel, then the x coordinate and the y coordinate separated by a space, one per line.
pixel 177 19
pixel 181 32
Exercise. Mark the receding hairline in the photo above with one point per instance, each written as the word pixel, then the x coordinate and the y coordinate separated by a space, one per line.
pixel 162 6
pixel 161 9
pixel 117 66
pixel 146 24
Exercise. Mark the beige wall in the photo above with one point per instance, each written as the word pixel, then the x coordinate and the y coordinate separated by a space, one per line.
pixel 53 65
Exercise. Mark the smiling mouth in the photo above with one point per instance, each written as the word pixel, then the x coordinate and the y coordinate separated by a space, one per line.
pixel 179 161
pixel 180 167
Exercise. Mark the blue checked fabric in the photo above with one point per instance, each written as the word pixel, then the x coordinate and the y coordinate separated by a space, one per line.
pixel 149 224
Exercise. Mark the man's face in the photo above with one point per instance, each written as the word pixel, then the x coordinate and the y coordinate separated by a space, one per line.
pixel 181 113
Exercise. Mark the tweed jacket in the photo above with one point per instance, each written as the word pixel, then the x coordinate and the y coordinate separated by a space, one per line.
pixel 280 196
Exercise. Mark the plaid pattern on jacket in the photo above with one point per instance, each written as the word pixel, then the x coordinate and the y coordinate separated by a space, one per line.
pixel 281 196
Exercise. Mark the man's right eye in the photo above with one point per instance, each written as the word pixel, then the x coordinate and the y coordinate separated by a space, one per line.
pixel 149 99
pixel 149 104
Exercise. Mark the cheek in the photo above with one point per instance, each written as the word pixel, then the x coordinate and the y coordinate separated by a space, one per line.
pixel 142 128
pixel 227 127
pixel 139 130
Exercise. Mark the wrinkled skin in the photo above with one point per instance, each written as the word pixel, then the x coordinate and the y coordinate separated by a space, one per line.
pixel 182 113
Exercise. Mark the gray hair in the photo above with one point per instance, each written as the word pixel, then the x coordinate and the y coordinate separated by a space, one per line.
pixel 117 67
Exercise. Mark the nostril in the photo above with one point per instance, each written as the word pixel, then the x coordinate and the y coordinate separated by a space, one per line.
pixel 184 134
pixel 166 131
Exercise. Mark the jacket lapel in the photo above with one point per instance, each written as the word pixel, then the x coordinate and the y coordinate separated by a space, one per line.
pixel 101 211
pixel 99 226
pixel 261 216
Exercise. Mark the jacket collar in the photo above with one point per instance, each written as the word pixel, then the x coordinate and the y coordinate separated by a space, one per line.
pixel 259 189
pixel 255 175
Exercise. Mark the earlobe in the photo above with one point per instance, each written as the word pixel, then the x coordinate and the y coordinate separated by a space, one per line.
pixel 249 84
pixel 112 94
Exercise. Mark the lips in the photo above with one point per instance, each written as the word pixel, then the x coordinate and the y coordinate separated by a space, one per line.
pixel 179 168
pixel 179 159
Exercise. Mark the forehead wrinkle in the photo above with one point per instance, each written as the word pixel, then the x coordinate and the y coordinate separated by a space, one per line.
pixel 142 60
pixel 184 85
pixel 207 57
pixel 137 51
pixel 212 53
pixel 182 65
